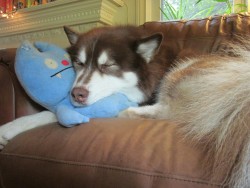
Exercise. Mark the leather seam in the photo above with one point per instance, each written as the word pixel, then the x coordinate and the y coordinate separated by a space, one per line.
pixel 113 168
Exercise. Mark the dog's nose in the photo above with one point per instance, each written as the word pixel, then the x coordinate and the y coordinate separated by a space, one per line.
pixel 80 94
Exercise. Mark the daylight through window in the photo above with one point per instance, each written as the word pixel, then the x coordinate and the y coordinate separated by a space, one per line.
pixel 184 9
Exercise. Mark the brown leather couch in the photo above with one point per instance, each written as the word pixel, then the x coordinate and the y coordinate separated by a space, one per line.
pixel 111 153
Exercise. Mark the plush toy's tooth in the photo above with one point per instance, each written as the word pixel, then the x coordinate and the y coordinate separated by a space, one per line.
pixel 59 75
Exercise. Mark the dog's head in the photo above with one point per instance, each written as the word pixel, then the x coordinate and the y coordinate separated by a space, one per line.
pixel 108 60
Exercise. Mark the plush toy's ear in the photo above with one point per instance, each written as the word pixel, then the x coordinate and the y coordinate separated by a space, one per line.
pixel 72 35
pixel 44 47
pixel 148 46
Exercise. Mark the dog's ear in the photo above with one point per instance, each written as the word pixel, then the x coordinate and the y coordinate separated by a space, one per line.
pixel 148 46
pixel 72 35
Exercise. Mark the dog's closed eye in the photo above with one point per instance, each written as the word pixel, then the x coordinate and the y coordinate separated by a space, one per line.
pixel 108 67
pixel 78 62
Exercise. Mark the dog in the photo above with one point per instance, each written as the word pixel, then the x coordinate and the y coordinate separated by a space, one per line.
pixel 115 59
pixel 208 95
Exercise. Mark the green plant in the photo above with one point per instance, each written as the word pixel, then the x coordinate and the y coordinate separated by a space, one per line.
pixel 230 8
pixel 179 9
pixel 172 13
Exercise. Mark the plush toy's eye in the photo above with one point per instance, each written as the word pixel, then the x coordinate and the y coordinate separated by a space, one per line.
pixel 65 62
pixel 50 63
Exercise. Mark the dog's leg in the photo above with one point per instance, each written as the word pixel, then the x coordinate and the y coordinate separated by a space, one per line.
pixel 11 129
pixel 154 111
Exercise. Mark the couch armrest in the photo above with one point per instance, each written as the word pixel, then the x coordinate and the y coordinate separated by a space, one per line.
pixel 14 101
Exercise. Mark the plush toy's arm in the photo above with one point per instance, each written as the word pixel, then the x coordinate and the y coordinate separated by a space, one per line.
pixel 107 107
pixel 69 117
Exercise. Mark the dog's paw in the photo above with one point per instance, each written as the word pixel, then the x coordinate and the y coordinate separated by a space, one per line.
pixel 3 142
pixel 130 113
pixel 3 139
pixel 7 132
pixel 11 133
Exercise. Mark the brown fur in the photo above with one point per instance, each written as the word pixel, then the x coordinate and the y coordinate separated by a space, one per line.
pixel 210 97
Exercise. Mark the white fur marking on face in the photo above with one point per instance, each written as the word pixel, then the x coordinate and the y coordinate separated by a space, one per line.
pixel 82 55
pixel 100 86
pixel 103 58
pixel 78 75
pixel 147 49
pixel 131 90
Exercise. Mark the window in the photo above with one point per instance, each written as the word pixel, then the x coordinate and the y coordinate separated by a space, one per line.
pixel 181 9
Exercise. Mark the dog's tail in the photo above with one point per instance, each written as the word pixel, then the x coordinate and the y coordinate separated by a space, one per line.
pixel 216 112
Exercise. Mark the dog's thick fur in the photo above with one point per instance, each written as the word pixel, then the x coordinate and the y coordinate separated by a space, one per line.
pixel 210 98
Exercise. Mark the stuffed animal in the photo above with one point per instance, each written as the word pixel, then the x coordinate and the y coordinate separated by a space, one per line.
pixel 46 74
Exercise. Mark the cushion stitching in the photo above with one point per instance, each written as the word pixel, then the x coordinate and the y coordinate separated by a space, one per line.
pixel 113 168
pixel 216 17
pixel 219 36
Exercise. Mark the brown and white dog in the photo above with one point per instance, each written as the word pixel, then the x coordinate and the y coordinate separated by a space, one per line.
pixel 209 96
pixel 115 59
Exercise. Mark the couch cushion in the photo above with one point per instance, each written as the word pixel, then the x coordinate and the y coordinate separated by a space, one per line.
pixel 104 153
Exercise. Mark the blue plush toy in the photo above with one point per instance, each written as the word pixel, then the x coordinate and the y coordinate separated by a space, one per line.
pixel 46 73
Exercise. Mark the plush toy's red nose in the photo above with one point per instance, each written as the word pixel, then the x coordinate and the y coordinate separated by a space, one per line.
pixel 65 62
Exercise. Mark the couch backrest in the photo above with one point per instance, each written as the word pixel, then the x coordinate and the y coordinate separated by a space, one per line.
pixel 201 36
pixel 14 102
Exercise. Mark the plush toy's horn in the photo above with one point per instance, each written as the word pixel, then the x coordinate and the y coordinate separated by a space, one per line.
pixel 27 47
pixel 43 46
